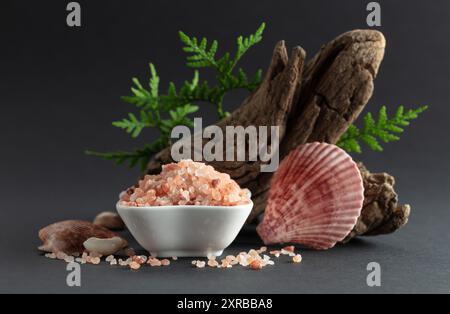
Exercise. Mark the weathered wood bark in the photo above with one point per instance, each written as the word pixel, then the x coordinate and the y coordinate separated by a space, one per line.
pixel 316 102
pixel 381 212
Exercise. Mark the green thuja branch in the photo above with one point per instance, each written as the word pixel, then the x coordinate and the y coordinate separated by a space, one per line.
pixel 373 131
pixel 165 111
pixel 202 56
pixel 140 156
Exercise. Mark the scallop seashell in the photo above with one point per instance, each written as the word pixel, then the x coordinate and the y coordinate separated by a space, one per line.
pixel 105 246
pixel 68 236
pixel 315 198
pixel 109 220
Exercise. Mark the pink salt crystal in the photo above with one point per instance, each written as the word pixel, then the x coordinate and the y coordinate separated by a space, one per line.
pixel 200 264
pixel 225 264
pixel 134 265
pixel 95 260
pixel 165 262
pixel 256 265
pixel 186 183
pixel 276 253
pixel 212 263
pixel 297 258
pixel 230 258
pixel 139 259
pixel 174 258
pixel 154 262
pixel 289 248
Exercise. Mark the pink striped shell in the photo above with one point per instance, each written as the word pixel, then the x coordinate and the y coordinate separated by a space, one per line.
pixel 315 198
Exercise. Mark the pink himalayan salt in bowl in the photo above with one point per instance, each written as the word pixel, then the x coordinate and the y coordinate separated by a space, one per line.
pixel 186 183
pixel 188 210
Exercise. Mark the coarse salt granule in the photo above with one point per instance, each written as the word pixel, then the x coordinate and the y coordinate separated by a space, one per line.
pixel 289 248
pixel 186 183
pixel 140 259
pixel 165 262
pixel 213 263
pixel 154 262
pixel 134 265
pixel 256 265
pixel 297 258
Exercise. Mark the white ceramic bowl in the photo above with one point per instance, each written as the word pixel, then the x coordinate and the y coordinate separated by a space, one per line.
pixel 188 230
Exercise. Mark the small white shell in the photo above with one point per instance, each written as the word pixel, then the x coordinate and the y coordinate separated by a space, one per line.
pixel 105 246
pixel 315 198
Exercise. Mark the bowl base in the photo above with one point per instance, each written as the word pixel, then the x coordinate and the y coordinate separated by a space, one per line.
pixel 186 253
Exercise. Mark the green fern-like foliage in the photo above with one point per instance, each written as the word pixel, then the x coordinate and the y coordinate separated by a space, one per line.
pixel 383 129
pixel 200 55
pixel 165 111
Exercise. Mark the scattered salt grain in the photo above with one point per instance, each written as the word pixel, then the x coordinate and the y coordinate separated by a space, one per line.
pixel 276 253
pixel 124 263
pixel 174 258
pixel 135 265
pixel 165 262
pixel 141 259
pixel 154 262
pixel 256 265
pixel 297 258
pixel 213 263
pixel 262 249
pixel 109 258
pixel 95 260
pixel 289 248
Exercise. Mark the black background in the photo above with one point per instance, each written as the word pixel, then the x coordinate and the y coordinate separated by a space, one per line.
pixel 59 93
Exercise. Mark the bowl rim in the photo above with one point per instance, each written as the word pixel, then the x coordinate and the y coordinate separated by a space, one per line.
pixel 173 207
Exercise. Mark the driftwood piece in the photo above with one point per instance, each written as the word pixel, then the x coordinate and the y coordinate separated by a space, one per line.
pixel 337 83
pixel 381 212
pixel 315 102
